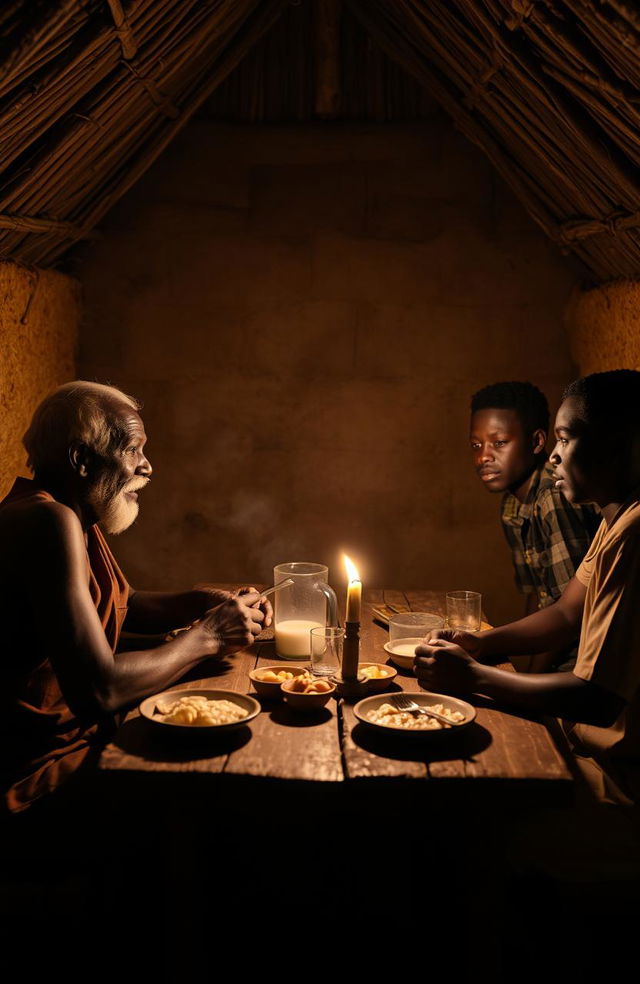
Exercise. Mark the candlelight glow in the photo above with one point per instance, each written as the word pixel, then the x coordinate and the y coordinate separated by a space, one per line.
pixel 354 592
pixel 352 572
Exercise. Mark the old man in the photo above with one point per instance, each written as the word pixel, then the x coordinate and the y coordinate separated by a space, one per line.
pixel 64 601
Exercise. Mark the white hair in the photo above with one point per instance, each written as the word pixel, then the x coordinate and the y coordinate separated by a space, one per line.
pixel 81 412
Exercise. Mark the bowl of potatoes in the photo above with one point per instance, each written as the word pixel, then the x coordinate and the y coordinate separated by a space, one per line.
pixel 267 680
pixel 306 692
pixel 378 675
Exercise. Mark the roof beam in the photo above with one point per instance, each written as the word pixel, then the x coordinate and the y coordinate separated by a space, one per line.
pixel 327 15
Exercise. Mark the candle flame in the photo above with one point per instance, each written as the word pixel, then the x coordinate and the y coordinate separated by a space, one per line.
pixel 352 571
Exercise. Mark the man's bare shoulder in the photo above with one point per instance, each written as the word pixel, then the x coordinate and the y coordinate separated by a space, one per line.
pixel 30 519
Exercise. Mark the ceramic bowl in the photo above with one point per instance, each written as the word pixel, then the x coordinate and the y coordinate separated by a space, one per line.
pixel 403 659
pixel 272 688
pixel 307 702
pixel 379 683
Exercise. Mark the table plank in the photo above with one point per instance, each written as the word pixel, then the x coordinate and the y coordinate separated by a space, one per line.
pixel 391 596
pixel 499 745
pixel 140 746
pixel 290 745
pixel 427 601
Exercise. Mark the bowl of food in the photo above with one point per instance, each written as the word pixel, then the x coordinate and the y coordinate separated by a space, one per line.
pixel 268 680
pixel 381 713
pixel 200 710
pixel 378 675
pixel 306 692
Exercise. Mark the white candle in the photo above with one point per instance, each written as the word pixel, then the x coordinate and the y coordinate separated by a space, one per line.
pixel 354 591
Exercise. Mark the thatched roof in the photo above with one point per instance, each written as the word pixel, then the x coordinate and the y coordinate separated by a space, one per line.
pixel 91 91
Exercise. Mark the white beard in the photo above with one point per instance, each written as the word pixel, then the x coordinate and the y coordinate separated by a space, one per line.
pixel 117 513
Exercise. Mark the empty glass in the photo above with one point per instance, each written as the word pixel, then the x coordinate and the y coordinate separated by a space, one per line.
pixel 408 630
pixel 326 650
pixel 464 610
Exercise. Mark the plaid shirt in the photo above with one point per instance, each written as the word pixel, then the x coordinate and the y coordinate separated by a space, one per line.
pixel 548 537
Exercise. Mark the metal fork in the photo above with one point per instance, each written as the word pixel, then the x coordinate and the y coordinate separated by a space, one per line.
pixel 405 703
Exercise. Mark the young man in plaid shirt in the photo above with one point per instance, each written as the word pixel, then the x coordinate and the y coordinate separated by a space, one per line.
pixel 548 535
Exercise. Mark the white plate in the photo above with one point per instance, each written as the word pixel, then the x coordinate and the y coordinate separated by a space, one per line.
pixel 148 708
pixel 424 698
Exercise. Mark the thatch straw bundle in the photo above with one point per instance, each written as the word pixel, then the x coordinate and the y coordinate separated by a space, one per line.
pixel 92 91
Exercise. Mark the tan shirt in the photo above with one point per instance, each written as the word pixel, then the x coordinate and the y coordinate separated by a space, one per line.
pixel 609 654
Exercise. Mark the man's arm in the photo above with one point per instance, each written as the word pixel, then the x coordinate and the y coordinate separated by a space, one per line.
pixel 153 612
pixel 446 668
pixel 92 679
pixel 549 629
pixel 456 663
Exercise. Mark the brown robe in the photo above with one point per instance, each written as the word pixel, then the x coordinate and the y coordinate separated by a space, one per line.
pixel 42 742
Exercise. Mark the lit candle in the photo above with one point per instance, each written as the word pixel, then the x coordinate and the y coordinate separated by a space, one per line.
pixel 354 591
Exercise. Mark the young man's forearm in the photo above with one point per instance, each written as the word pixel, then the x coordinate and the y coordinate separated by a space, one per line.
pixel 548 630
pixel 544 631
pixel 559 694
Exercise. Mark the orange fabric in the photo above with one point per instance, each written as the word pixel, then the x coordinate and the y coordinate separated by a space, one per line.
pixel 42 741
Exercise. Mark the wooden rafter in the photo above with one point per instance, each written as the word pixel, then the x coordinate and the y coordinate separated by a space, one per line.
pixel 548 89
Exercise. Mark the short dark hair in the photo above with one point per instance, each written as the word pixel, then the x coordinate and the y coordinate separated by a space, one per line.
pixel 609 397
pixel 524 398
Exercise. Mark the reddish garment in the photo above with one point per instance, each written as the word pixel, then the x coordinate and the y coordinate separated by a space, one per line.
pixel 42 741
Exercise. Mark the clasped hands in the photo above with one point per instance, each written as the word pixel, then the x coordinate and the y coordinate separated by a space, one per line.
pixel 232 619
pixel 447 662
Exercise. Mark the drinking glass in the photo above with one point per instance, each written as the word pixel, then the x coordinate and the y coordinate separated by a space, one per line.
pixel 326 650
pixel 464 610
pixel 408 630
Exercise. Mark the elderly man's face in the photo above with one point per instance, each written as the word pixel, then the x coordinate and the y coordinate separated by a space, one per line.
pixel 114 495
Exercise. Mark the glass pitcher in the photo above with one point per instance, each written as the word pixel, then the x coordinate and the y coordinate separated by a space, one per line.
pixel 309 603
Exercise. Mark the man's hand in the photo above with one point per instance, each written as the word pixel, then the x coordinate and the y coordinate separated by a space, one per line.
pixel 471 643
pixel 235 623
pixel 209 598
pixel 265 605
pixel 444 667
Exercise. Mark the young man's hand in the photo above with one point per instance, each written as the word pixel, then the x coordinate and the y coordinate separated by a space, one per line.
pixel 445 667
pixel 471 643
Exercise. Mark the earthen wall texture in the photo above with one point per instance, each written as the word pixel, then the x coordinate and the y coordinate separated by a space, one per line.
pixel 305 312
pixel 604 327
pixel 39 317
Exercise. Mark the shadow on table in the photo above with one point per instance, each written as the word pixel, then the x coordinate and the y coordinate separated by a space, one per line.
pixel 437 746
pixel 283 714
pixel 504 708
pixel 145 740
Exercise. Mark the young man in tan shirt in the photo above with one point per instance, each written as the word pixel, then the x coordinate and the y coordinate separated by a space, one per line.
pixel 596 459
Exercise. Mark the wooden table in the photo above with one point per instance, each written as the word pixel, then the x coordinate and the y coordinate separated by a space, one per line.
pixel 319 823
pixel 503 754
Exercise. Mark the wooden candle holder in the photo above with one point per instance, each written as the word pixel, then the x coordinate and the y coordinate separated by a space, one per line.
pixel 348 682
